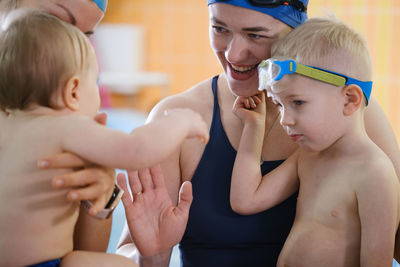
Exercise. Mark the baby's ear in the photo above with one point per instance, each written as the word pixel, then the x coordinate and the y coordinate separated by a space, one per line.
pixel 353 97
pixel 71 93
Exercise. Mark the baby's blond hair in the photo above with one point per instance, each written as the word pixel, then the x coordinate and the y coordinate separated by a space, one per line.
pixel 39 53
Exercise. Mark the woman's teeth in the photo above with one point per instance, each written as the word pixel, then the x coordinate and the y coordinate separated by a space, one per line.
pixel 242 69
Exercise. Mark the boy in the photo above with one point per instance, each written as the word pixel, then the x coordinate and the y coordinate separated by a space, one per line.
pixel 48 98
pixel 348 204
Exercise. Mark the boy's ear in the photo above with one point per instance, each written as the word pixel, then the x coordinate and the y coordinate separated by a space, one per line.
pixel 353 97
pixel 71 93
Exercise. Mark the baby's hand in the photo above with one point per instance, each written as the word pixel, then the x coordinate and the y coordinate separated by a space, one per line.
pixel 250 109
pixel 197 127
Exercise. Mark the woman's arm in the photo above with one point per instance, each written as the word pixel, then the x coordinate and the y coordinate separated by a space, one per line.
pixel 377 198
pixel 381 132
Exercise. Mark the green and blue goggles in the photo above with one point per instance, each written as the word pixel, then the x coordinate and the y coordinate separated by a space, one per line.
pixel 271 71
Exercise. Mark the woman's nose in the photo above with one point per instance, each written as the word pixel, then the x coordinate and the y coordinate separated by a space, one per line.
pixel 237 49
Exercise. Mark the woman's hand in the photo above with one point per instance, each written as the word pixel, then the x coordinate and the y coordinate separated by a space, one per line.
pixel 88 182
pixel 250 109
pixel 154 222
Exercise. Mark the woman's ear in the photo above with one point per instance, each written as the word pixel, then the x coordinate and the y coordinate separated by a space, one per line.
pixel 71 93
pixel 353 97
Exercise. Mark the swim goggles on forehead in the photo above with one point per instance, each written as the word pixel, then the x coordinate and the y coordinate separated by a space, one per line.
pixel 297 4
pixel 270 71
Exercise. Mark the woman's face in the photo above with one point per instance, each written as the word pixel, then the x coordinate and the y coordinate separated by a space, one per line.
pixel 241 38
pixel 84 14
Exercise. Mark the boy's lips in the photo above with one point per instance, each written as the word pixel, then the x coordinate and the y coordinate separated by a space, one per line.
pixel 241 72
pixel 295 137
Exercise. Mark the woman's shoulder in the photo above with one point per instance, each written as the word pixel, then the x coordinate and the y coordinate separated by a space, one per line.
pixel 199 98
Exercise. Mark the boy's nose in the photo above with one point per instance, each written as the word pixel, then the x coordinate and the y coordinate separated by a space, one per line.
pixel 286 118
pixel 237 50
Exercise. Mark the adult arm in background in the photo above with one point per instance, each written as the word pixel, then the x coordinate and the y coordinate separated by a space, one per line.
pixel 88 182
pixel 381 132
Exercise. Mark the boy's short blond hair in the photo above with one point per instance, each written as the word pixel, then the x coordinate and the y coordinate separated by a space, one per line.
pixel 327 43
pixel 39 53
pixel 8 5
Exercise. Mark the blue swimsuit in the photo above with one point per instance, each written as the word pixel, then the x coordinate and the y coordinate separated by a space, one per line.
pixel 217 236
pixel 51 263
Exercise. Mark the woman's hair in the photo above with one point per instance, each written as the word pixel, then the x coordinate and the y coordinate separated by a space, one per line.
pixel 327 43
pixel 39 53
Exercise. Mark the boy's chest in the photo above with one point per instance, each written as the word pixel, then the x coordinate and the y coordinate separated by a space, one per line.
pixel 327 193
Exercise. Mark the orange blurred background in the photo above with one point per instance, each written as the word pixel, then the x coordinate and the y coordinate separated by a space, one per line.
pixel 177 43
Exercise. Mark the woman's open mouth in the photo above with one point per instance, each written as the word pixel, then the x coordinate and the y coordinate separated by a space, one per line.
pixel 242 72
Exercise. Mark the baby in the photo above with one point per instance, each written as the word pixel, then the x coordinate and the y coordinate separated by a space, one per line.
pixel 48 99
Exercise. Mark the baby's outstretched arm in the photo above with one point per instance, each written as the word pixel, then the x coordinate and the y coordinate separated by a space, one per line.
pixel 143 148
pixel 250 191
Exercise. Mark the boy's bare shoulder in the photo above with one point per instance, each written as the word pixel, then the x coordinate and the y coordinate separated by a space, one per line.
pixel 377 170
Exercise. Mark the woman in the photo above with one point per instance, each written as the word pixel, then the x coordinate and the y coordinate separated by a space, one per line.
pixel 241 35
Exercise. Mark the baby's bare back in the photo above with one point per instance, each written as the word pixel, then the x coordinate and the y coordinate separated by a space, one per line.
pixel 36 221
pixel 327 227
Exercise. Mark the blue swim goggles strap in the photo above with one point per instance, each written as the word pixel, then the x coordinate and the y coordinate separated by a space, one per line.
pixel 102 4
pixel 277 69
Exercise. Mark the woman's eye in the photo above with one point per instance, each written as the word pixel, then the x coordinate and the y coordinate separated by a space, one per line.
pixel 298 102
pixel 219 29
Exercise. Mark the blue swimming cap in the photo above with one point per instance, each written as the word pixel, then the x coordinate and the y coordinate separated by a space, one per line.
pixel 102 4
pixel 285 13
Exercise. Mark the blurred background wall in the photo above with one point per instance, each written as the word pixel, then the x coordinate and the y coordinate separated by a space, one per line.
pixel 176 43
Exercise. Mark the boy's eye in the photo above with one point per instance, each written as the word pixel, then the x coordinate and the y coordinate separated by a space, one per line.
pixel 255 36
pixel 298 102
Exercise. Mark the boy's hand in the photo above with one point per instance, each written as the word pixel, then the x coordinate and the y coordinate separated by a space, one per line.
pixel 154 222
pixel 88 182
pixel 197 127
pixel 250 109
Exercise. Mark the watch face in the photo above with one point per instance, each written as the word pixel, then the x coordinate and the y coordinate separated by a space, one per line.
pixel 113 197
pixel 112 203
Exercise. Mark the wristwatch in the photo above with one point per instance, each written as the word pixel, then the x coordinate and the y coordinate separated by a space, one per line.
pixel 109 208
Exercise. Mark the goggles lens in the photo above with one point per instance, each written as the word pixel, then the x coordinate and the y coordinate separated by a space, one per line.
pixel 271 71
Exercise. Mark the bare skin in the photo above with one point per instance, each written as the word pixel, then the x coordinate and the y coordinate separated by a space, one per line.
pixel 348 189
pixel 87 181
pixel 39 219
pixel 237 47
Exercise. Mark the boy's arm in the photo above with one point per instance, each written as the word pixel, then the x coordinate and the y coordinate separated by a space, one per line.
pixel 377 198
pixel 144 147
pixel 250 192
